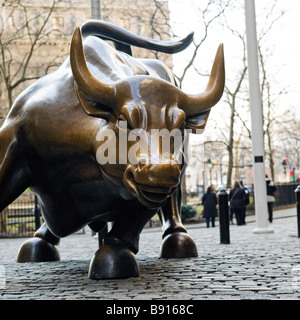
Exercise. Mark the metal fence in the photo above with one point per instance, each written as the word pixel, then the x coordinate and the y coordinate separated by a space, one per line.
pixel 285 194
pixel 21 218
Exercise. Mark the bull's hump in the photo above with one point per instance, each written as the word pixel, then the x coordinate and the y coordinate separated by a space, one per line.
pixel 46 92
pixel 108 64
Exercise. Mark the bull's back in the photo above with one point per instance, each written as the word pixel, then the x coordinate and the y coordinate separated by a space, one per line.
pixel 57 138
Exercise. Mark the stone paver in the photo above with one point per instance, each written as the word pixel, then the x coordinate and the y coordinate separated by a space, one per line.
pixel 252 266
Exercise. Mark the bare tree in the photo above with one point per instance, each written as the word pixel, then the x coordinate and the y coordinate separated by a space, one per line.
pixel 212 11
pixel 23 33
pixel 231 100
pixel 234 97
pixel 266 87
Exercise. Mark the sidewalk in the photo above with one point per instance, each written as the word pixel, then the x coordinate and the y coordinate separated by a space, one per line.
pixel 252 266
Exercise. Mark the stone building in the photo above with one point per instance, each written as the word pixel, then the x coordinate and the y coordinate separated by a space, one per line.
pixel 40 32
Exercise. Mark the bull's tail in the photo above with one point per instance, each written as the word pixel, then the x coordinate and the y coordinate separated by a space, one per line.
pixel 123 39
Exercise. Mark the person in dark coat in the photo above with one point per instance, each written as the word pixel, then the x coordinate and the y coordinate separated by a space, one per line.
pixel 270 198
pixel 246 202
pixel 237 202
pixel 210 202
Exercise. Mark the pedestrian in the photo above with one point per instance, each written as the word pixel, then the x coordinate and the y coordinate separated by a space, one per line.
pixel 210 202
pixel 246 202
pixel 237 198
pixel 270 198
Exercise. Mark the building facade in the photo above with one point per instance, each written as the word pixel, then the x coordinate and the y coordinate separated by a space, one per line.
pixel 35 36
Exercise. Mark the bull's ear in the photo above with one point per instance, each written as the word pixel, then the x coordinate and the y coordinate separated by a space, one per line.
pixel 197 122
pixel 92 107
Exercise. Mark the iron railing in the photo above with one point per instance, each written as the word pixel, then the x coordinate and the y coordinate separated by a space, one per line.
pixel 21 218
pixel 285 195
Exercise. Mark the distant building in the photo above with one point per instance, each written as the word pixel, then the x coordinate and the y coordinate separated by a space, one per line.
pixel 148 18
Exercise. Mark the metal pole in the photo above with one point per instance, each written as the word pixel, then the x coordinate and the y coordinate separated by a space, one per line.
pixel 224 217
pixel 96 14
pixel 297 191
pixel 260 190
pixel 96 9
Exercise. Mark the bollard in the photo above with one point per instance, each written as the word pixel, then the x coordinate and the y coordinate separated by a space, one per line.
pixel 224 217
pixel 297 191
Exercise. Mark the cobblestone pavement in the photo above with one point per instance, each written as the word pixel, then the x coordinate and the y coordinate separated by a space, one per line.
pixel 252 266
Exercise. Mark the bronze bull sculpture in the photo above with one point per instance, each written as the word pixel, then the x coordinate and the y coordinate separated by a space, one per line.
pixel 50 139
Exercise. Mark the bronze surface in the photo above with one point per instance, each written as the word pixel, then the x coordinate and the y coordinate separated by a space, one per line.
pixel 49 142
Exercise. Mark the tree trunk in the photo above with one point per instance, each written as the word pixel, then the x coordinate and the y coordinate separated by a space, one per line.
pixel 230 147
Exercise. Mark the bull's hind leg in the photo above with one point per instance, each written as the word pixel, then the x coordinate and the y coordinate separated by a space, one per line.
pixel 176 242
pixel 116 257
pixel 40 248
pixel 14 175
pixel 14 179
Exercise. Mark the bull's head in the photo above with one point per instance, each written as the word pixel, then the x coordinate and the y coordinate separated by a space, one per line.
pixel 145 103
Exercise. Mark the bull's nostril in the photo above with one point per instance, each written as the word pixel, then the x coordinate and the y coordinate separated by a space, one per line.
pixel 141 166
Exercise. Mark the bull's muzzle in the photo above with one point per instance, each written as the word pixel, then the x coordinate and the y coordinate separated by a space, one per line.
pixel 152 183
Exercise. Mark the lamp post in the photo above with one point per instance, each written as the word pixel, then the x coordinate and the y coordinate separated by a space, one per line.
pixel 261 209
pixel 210 166
pixel 96 9
pixel 285 164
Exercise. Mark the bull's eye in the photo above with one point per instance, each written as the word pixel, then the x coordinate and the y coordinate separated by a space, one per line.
pixel 122 123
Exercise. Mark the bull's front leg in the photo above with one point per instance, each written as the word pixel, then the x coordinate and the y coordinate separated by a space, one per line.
pixel 116 257
pixel 176 242
pixel 40 248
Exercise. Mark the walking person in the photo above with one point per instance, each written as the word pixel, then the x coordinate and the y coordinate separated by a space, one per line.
pixel 246 202
pixel 270 198
pixel 210 202
pixel 237 198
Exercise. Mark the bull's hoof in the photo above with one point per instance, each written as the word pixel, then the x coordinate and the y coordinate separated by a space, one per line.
pixel 37 250
pixel 178 245
pixel 113 262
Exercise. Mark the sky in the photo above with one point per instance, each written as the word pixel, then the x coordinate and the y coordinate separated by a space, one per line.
pixel 282 42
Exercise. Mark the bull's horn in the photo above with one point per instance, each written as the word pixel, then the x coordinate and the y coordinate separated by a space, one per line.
pixel 97 90
pixel 196 104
